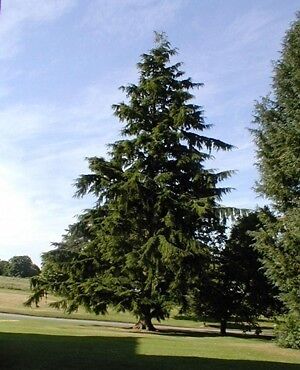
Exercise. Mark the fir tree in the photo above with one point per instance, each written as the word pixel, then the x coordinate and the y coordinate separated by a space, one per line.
pixel 277 136
pixel 148 238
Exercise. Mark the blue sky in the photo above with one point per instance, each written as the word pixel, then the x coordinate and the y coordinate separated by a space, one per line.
pixel 61 63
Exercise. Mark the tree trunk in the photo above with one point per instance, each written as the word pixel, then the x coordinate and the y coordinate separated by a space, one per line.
pixel 223 326
pixel 145 323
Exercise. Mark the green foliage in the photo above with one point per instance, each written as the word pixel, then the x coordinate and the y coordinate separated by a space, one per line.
pixel 278 131
pixel 19 266
pixel 237 288
pixel 288 332
pixel 278 242
pixel 149 236
pixel 277 136
pixel 4 268
pixel 22 266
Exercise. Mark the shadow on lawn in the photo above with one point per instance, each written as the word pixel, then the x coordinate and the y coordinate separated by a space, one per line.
pixel 203 333
pixel 208 334
pixel 209 320
pixel 45 352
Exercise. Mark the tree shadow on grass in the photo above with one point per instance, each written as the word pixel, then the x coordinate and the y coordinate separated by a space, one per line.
pixel 207 333
pixel 209 322
pixel 45 352
pixel 184 332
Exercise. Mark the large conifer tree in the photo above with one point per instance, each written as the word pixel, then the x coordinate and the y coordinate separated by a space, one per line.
pixel 148 238
pixel 278 151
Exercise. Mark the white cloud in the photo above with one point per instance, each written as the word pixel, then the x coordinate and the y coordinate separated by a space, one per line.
pixel 130 18
pixel 42 151
pixel 247 28
pixel 95 102
pixel 244 200
pixel 4 91
pixel 16 14
pixel 19 224
pixel 88 113
pixel 19 120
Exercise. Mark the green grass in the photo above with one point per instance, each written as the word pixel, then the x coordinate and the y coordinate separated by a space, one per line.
pixel 14 283
pixel 36 344
pixel 42 344
pixel 11 301
pixel 15 291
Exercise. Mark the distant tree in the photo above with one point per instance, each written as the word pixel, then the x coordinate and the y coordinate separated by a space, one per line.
pixel 157 215
pixel 4 268
pixel 238 290
pixel 22 266
pixel 277 136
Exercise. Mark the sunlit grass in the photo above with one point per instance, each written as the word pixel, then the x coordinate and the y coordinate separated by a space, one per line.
pixel 14 283
pixel 15 291
pixel 34 344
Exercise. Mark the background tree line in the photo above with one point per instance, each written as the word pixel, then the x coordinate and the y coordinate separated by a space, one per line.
pixel 19 266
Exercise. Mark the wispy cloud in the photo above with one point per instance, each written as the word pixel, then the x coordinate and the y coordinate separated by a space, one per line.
pixel 130 18
pixel 42 151
pixel 17 14
pixel 247 28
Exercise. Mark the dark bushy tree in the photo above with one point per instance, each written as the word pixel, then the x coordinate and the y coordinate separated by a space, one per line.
pixel 277 136
pixel 22 266
pixel 238 290
pixel 4 268
pixel 148 238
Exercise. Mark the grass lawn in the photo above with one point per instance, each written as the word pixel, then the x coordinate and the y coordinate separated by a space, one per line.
pixel 14 283
pixel 15 291
pixel 36 344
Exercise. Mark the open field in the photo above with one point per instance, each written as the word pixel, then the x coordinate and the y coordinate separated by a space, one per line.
pixel 36 344
pixel 15 291
pixel 11 301
pixel 14 283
